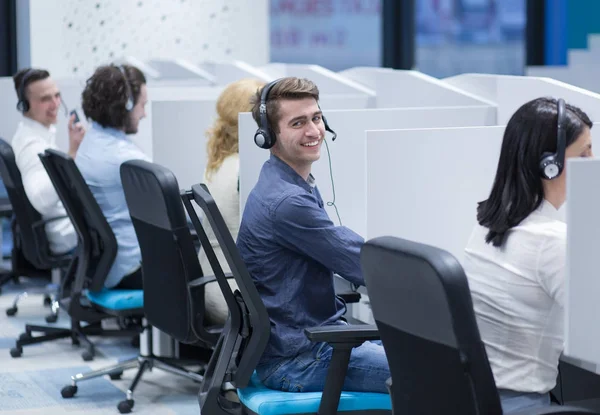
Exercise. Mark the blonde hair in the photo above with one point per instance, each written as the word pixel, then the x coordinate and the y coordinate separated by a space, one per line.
pixel 223 135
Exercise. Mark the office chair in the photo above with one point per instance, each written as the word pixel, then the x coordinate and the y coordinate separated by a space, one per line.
pixel 31 255
pixel 422 305
pixel 245 337
pixel 84 297
pixel 173 281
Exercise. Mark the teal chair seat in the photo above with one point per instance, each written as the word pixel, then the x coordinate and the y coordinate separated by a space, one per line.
pixel 117 300
pixel 264 401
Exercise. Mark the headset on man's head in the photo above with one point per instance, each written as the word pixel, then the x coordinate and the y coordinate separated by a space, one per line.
pixel 129 104
pixel 23 103
pixel 264 136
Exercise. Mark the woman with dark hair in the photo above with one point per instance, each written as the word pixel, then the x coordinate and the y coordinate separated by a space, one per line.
pixel 515 257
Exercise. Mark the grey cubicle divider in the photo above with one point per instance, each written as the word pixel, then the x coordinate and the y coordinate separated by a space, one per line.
pixel 583 76
pixel 582 288
pixel 348 152
pixel 424 184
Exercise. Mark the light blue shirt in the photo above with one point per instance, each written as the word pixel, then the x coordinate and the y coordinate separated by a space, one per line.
pixel 99 159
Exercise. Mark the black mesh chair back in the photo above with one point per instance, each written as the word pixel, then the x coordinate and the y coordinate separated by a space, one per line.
pixel 169 259
pixel 422 305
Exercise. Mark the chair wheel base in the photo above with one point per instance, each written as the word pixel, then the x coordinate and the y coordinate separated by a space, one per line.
pixel 125 406
pixel 16 351
pixel 24 336
pixel 11 311
pixel 116 375
pixel 68 391
pixel 87 356
pixel 51 318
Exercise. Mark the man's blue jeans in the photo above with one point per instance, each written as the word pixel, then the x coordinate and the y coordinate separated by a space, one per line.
pixel 368 370
pixel 519 401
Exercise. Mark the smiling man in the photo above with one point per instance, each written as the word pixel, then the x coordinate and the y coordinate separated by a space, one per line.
pixel 39 101
pixel 292 249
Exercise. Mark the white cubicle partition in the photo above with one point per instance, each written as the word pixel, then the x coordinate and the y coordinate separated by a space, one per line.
pixel 179 137
pixel 348 152
pixel 227 72
pixel 399 89
pixel 514 91
pixel 582 288
pixel 182 69
pixel 583 76
pixel 482 85
pixel 70 90
pixel 424 184
pixel 329 82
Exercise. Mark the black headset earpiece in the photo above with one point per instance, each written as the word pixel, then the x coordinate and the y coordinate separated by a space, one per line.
pixel 264 136
pixel 23 103
pixel 129 104
pixel 328 128
pixel 552 164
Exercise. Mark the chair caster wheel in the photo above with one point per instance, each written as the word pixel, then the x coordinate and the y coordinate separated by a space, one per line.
pixel 116 375
pixel 68 391
pixel 11 311
pixel 24 336
pixel 87 356
pixel 16 351
pixel 47 301
pixel 51 318
pixel 125 406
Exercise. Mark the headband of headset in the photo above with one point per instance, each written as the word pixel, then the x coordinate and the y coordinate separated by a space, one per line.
pixel 264 136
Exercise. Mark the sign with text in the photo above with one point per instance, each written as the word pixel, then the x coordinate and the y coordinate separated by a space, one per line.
pixel 336 34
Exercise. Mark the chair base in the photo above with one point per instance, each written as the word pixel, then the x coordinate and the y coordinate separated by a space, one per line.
pixel 50 293
pixel 6 276
pixel 142 363
pixel 77 334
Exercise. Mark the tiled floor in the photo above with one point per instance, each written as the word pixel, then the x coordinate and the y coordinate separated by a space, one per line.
pixel 31 384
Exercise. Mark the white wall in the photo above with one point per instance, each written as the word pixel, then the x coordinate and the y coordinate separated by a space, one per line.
pixel 72 37
pixel 348 152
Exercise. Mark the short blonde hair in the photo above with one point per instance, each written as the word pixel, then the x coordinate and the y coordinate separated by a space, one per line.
pixel 223 135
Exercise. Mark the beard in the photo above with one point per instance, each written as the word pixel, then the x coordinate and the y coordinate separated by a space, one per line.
pixel 131 126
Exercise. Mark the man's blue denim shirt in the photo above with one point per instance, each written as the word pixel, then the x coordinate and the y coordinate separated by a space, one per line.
pixel 291 249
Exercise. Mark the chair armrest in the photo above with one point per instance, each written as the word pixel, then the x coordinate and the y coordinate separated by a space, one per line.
pixel 355 333
pixel 564 410
pixel 350 297
pixel 205 280
pixel 45 221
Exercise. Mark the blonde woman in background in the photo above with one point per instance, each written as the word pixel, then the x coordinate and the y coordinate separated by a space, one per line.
pixel 222 179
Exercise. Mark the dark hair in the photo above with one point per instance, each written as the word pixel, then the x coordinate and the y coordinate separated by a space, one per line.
pixel 286 88
pixel 105 94
pixel 517 190
pixel 34 76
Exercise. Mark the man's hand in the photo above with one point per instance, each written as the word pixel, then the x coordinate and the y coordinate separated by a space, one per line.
pixel 76 133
